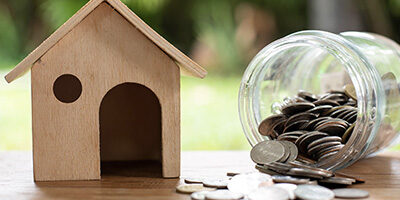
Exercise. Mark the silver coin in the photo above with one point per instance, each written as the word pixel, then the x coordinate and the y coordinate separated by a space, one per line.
pixel 279 167
pixel 247 183
pixel 218 183
pixel 350 193
pixel 327 155
pixel 271 192
pixel 190 188
pixel 324 140
pixel 289 187
pixel 350 91
pixel 287 152
pixel 313 192
pixel 265 170
pixel 308 173
pixel 292 149
pixel 194 180
pixel 223 195
pixel 289 179
pixel 319 147
pixel 267 151
pixel 338 181
pixel 199 195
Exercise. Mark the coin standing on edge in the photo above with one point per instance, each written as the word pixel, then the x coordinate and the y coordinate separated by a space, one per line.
pixel 267 151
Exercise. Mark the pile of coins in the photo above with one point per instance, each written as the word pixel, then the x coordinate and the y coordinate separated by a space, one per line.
pixel 319 125
pixel 261 186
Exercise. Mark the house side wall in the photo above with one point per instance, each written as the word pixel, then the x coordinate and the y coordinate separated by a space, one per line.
pixel 103 51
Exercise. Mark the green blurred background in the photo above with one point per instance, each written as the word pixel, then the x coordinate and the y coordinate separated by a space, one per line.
pixel 221 35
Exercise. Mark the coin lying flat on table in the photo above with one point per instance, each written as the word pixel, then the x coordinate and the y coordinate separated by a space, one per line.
pixel 267 151
pixel 289 187
pixel 246 183
pixel 350 193
pixel 313 192
pixel 223 195
pixel 190 188
pixel 220 184
pixel 194 180
pixel 199 195
pixel 271 192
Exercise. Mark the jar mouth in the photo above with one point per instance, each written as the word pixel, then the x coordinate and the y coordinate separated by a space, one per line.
pixel 362 75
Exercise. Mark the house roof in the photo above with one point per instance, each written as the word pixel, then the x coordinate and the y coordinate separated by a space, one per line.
pixel 188 66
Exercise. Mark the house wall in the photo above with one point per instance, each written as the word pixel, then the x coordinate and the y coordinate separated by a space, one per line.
pixel 103 51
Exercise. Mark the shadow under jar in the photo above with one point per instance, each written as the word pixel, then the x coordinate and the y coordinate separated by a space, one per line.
pixel 319 62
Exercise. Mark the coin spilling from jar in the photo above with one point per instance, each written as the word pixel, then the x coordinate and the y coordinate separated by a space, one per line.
pixel 318 125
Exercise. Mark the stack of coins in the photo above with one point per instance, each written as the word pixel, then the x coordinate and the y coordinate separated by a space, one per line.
pixel 319 125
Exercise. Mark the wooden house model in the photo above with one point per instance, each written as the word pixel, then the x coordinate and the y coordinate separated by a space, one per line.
pixel 105 88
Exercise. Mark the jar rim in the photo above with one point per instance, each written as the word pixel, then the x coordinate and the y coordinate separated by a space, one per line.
pixel 365 79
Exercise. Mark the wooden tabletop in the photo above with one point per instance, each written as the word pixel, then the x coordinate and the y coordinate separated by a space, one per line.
pixel 382 174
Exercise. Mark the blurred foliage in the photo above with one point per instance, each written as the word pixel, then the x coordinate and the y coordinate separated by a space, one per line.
pixel 204 29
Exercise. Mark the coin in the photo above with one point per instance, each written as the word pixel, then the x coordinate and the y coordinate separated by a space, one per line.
pixel 317 148
pixel 287 151
pixel 332 129
pixel 190 188
pixel 358 179
pixel 223 195
pixel 267 125
pixel 328 150
pixel 194 180
pixel 275 193
pixel 303 142
pixel 307 96
pixel 288 187
pixel 267 151
pixel 327 155
pixel 324 140
pixel 265 170
pixel 350 91
pixel 289 179
pixel 308 173
pixel 312 123
pixel 326 102
pixel 350 193
pixel 337 181
pixel 313 192
pixel 201 195
pixel 296 108
pixel 246 183
pixel 300 116
pixel 220 184
pixel 295 125
pixel 320 109
pixel 278 167
pixel 292 149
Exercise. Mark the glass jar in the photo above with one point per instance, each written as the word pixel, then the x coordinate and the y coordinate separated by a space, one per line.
pixel 318 61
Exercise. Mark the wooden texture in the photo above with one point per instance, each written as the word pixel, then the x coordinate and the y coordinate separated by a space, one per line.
pixel 382 176
pixel 187 65
pixel 103 51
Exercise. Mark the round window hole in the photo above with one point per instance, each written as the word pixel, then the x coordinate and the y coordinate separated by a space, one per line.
pixel 67 88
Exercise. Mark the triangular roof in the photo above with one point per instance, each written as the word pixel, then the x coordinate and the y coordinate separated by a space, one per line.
pixel 187 65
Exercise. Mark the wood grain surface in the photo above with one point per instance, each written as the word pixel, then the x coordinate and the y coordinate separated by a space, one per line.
pixel 382 176
pixel 66 136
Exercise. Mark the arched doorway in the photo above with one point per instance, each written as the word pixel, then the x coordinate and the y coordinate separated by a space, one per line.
pixel 130 131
